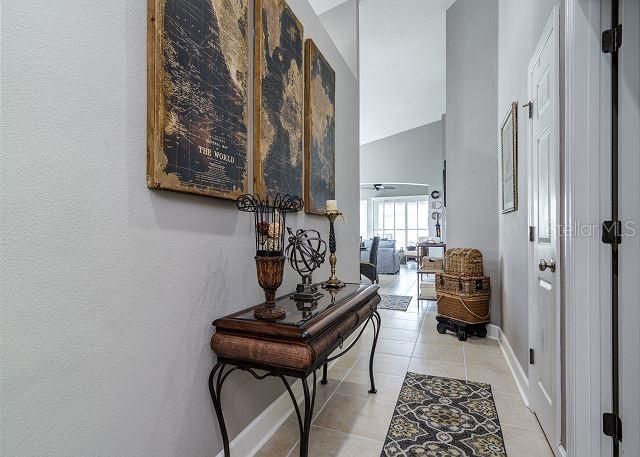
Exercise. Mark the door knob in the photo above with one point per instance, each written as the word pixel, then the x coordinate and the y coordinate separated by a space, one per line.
pixel 543 265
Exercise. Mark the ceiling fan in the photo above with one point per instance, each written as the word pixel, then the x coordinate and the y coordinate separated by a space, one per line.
pixel 382 187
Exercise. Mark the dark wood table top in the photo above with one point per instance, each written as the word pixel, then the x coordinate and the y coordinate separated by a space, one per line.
pixel 300 324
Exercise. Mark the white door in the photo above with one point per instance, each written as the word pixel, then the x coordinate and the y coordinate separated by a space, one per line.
pixel 544 212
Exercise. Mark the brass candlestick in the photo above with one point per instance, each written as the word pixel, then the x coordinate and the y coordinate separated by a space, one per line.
pixel 333 282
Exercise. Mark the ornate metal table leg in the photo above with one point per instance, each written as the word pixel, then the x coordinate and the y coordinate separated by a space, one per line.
pixel 309 402
pixel 375 319
pixel 324 374
pixel 215 397
pixel 303 423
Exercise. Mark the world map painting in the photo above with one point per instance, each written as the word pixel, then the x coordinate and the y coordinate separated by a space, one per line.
pixel 198 60
pixel 278 100
pixel 320 130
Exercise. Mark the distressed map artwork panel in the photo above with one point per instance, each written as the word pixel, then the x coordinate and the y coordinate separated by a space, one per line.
pixel 320 130
pixel 198 61
pixel 278 100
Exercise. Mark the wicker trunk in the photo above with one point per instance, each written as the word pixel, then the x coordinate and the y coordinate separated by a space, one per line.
pixel 469 310
pixel 463 286
pixel 463 262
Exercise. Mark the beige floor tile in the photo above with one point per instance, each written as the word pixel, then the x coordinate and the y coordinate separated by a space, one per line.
pixel 437 368
pixel 511 411
pixel 360 416
pixel 500 380
pixel 386 313
pixel 438 352
pixel 402 315
pixel 436 338
pixel 329 443
pixel 281 442
pixel 358 383
pixel 323 393
pixel 393 347
pixel 336 372
pixel 521 442
pixel 484 359
pixel 402 324
pixel 486 344
pixel 384 363
pixel 399 334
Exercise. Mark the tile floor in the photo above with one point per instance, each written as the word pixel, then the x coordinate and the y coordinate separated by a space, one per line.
pixel 348 421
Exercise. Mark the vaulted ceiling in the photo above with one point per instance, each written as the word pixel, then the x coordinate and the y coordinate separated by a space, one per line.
pixel 402 65
pixel 402 60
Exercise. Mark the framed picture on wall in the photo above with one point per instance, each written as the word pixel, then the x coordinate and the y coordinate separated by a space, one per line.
pixel 509 160
pixel 319 130
pixel 278 100
pixel 197 79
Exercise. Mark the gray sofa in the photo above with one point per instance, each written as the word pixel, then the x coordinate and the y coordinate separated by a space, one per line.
pixel 388 257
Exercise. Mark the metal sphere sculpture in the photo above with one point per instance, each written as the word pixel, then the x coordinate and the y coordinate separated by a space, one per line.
pixel 305 252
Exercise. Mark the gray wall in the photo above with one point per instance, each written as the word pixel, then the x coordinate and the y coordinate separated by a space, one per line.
pixel 526 20
pixel 108 288
pixel 342 24
pixel 414 156
pixel 471 134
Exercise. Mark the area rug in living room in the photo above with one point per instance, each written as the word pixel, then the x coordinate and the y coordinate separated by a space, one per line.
pixel 444 417
pixel 394 302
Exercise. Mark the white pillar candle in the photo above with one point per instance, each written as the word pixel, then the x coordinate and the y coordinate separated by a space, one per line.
pixel 332 205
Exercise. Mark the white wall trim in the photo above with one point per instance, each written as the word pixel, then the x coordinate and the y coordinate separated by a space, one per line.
pixel 517 372
pixel 493 332
pixel 585 392
pixel 561 451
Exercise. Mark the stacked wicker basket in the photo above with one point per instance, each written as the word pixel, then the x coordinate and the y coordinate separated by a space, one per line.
pixel 463 294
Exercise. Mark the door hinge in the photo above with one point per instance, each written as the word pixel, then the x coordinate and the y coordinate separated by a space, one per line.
pixel 532 233
pixel 612 426
pixel 612 232
pixel 612 39
pixel 531 356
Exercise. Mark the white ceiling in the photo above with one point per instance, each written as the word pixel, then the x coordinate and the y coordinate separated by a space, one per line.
pixel 322 6
pixel 402 65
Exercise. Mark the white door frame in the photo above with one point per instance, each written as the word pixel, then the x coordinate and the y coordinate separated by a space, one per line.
pixel 553 25
pixel 587 372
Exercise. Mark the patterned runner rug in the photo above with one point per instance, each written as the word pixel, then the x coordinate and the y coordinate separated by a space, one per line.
pixel 395 302
pixel 444 417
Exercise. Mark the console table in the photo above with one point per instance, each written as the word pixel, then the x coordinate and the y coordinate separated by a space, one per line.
pixel 296 346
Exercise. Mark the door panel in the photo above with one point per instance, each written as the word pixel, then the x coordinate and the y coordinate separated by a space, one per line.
pixel 544 285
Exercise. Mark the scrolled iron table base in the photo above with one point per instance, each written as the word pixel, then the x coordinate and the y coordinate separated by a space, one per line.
pixel 219 375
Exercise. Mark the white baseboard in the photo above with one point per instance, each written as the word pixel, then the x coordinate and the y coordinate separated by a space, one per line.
pixel 518 373
pixel 561 451
pixel 493 332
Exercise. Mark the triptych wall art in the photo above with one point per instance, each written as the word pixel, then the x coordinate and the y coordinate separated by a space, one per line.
pixel 197 67
pixel 197 102
pixel 319 130
pixel 278 95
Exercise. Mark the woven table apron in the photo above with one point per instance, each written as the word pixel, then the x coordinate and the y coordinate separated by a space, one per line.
pixel 296 346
